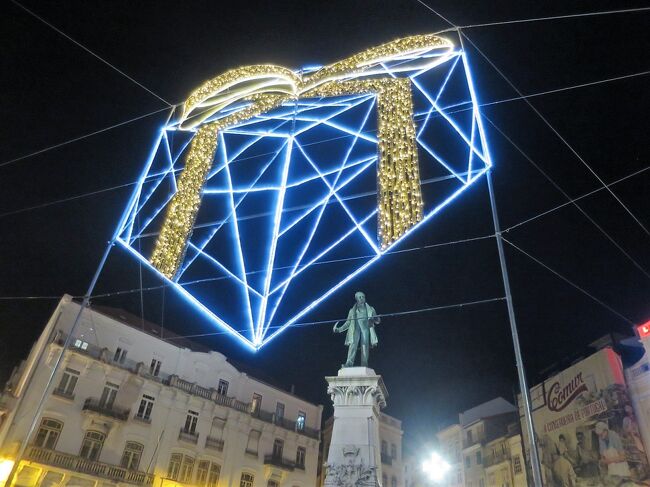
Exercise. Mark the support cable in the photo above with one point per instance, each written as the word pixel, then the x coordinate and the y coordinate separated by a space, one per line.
pixel 211 279
pixel 449 112
pixel 330 321
pixel 97 56
pixel 570 200
pixel 556 17
pixel 578 198
pixel 571 283
pixel 554 130
pixel 81 137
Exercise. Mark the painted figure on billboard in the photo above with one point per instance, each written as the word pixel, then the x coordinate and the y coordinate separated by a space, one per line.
pixel 587 432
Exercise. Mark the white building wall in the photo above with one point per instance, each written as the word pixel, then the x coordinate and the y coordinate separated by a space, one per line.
pixel 194 377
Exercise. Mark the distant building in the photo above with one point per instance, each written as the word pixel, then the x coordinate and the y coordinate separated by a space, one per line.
pixel 129 408
pixel 484 448
pixel 392 461
pixel 451 449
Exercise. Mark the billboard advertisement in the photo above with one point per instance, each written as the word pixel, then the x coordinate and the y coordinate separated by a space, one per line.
pixel 586 429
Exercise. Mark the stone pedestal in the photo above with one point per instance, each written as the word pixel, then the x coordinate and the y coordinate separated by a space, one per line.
pixel 354 457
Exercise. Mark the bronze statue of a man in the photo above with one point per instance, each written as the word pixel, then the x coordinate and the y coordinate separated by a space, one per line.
pixel 360 326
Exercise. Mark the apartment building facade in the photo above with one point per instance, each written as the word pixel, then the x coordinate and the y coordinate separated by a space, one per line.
pixel 484 449
pixel 128 408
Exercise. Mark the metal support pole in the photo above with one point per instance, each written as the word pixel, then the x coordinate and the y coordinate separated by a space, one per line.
pixel 55 369
pixel 523 384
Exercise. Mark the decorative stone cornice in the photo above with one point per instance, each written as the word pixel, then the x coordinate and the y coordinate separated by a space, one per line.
pixel 357 390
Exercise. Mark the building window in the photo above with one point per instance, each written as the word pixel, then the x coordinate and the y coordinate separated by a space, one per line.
pixel 272 483
pixel 207 474
pixel 247 480
pixel 481 483
pixel 393 482
pixel 154 367
pixel 393 451
pixel 253 442
pixel 120 355
pixel 108 395
pixel 222 388
pixel 516 463
pixel 256 403
pixel 301 453
pixel 174 466
pixel 92 445
pixel 187 466
pixel 190 422
pixel 144 410
pixel 459 477
pixel 300 421
pixel 279 411
pixel 278 446
pixel 48 433
pixel 68 382
pixel 132 455
pixel 469 437
pixel 479 459
pixel 80 344
pixel 384 480
pixel 468 462
pixel 384 448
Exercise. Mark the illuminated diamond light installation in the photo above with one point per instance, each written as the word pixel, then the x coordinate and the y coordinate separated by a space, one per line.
pixel 275 188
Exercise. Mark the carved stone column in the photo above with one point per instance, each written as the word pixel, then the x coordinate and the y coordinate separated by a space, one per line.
pixel 354 457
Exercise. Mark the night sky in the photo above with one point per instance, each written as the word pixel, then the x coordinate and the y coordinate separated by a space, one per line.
pixel 435 364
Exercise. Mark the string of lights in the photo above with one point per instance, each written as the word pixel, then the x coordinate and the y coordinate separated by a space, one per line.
pixel 97 56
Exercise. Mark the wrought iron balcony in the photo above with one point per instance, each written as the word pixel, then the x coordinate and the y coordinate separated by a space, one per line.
pixel 280 462
pixel 110 411
pixel 213 443
pixel 77 464
pixel 189 436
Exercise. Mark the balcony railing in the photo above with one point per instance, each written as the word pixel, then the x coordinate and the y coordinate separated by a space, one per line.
pixel 189 436
pixel 82 465
pixel 112 411
pixel 386 459
pixel 213 443
pixel 280 462
pixel 139 368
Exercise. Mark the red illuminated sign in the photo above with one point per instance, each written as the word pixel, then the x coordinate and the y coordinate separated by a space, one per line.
pixel 644 329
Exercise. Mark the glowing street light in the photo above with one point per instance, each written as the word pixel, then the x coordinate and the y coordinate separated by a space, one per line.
pixel 436 467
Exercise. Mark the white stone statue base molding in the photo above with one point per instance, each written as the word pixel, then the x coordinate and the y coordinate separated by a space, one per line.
pixel 354 457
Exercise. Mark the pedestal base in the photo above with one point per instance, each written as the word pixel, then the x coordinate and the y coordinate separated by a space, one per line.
pixel 354 457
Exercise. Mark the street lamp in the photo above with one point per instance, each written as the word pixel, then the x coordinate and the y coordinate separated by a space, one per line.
pixel 436 467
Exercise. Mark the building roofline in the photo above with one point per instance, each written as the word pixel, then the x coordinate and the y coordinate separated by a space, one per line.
pixel 156 331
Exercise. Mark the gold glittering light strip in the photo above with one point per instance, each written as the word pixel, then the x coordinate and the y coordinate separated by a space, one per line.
pixel 399 199
pixel 265 87
pixel 180 215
